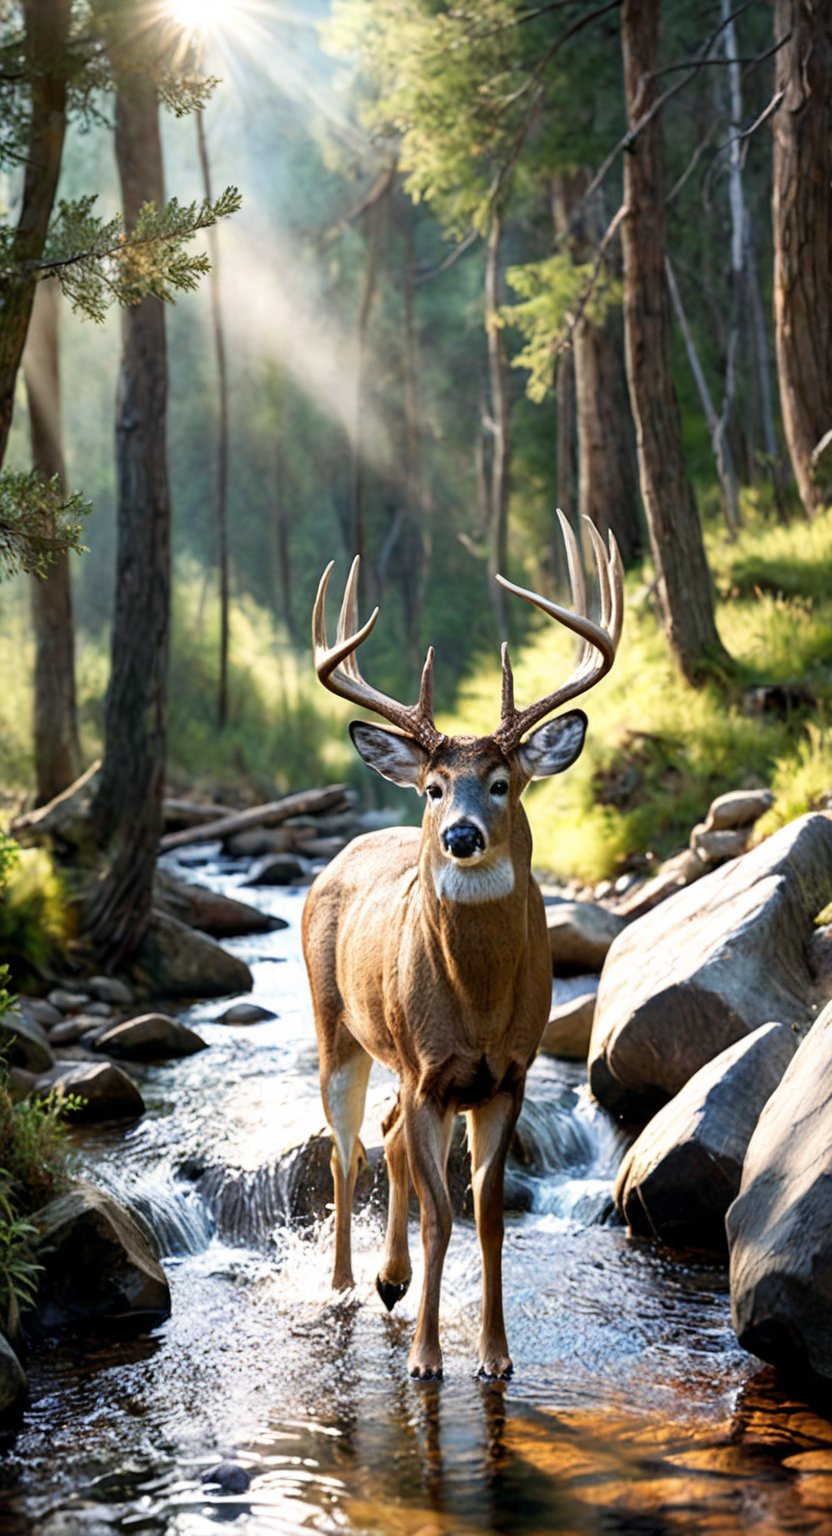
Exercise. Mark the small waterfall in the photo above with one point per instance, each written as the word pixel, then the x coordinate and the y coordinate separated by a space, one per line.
pixel 569 1150
pixel 170 1211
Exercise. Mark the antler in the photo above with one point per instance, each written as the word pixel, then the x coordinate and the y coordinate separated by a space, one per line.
pixel 337 668
pixel 600 638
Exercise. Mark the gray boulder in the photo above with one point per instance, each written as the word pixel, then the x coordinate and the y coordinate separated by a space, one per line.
pixel 708 966
pixel 24 1043
pixel 780 1225
pixel 568 1031
pixel 12 1385
pixel 681 1174
pixel 714 847
pixel 675 874
pixel 221 917
pixel 110 989
pixel 738 808
pixel 580 934
pixel 246 1013
pixel 99 1272
pixel 67 1000
pixel 277 869
pixel 150 1037
pixel 177 961
pixel 106 1091
pixel 40 1010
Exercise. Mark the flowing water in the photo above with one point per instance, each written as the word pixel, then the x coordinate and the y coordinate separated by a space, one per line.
pixel 632 1408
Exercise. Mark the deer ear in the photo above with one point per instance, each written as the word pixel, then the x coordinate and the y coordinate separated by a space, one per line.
pixel 553 746
pixel 395 757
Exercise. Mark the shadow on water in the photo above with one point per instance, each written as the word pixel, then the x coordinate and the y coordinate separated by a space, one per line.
pixel 632 1412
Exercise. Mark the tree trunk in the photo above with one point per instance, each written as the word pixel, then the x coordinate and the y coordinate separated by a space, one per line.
pixel 46 24
pixel 802 221
pixel 566 462
pixel 607 470
pixel 723 456
pixel 499 426
pixel 418 531
pixel 222 432
pixel 683 578
pixel 281 532
pixel 127 812
pixel 57 752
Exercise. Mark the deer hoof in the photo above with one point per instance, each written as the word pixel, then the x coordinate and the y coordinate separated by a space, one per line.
pixel 495 1368
pixel 389 1292
pixel 426 1372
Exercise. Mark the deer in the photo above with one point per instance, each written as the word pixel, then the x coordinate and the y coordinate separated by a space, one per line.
pixel 427 948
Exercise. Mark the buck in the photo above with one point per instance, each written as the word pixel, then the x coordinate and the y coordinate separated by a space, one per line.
pixel 427 949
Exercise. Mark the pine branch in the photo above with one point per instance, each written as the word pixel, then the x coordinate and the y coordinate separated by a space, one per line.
pixel 38 522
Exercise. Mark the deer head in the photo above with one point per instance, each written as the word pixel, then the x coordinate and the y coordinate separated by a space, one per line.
pixel 472 785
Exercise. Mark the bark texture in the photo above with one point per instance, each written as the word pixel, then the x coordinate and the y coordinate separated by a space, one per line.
pixel 802 225
pixel 607 468
pixel 46 24
pixel 498 426
pixel 127 812
pixel 55 724
pixel 683 578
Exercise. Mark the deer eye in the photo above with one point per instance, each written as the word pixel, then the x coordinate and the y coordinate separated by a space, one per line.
pixel 499 788
pixel 434 791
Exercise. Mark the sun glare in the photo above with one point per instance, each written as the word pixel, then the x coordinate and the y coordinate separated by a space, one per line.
pixel 203 15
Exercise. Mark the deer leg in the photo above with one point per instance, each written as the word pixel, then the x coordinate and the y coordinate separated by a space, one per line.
pixel 428 1137
pixel 344 1091
pixel 489 1134
pixel 393 1278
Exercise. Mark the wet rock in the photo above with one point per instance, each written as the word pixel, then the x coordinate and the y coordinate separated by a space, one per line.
pixel 177 961
pixel 681 1174
pixel 221 917
pixel 246 1013
pixel 820 960
pixel 567 1033
pixel 580 934
pixel 107 1092
pixel 99 1010
pixel 70 1031
pixel 260 841
pixel 708 966
pixel 67 1001
pixel 12 1385
pixel 278 869
pixel 229 1476
pixel 780 1225
pixel 675 874
pixel 20 1084
pixel 150 1037
pixel 40 1010
pixel 715 847
pixel 111 989
pixel 739 808
pixel 24 1043
pixel 99 1272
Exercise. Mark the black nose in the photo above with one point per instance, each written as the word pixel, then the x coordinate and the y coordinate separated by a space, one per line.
pixel 463 839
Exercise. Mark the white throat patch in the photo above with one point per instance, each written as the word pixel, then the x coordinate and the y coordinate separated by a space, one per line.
pixel 473 883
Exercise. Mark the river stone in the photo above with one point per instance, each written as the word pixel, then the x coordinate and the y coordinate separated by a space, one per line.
pixel 111 989
pixel 708 966
pixel 681 1174
pixel 277 869
pixel 780 1225
pixel 99 1010
pixel 675 874
pixel 739 808
pixel 108 1093
pixel 568 1031
pixel 580 934
pixel 67 1001
pixel 715 847
pixel 229 1476
pixel 24 1043
pixel 98 1269
pixel 178 961
pixel 70 1031
pixel 221 917
pixel 150 1037
pixel 40 1010
pixel 12 1385
pixel 246 1013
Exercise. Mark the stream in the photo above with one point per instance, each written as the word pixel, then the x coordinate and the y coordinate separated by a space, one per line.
pixel 632 1407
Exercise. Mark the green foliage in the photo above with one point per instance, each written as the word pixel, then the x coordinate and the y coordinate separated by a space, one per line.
pixel 33 913
pixel 97 262
pixel 550 291
pixel 19 1268
pixel 34 1167
pixel 38 521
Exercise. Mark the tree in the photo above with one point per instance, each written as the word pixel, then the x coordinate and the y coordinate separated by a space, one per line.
pixel 684 583
pixel 57 750
pixel 802 223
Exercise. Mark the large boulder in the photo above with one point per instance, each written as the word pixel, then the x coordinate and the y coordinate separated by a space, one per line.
pixel 150 1037
pixel 221 917
pixel 12 1385
pixel 780 1225
pixel 96 1092
pixel 681 1174
pixel 23 1042
pixel 177 961
pixel 708 966
pixel 580 934
pixel 99 1273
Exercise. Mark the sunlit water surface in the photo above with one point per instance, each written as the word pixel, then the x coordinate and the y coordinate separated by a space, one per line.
pixel 632 1408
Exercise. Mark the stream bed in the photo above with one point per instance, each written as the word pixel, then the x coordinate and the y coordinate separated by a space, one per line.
pixel 632 1408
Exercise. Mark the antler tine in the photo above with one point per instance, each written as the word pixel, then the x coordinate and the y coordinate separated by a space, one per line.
pixel 338 669
pixel 601 638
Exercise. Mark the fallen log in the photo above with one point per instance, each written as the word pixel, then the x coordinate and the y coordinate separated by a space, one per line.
pixel 191 813
pixel 305 802
pixel 221 917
